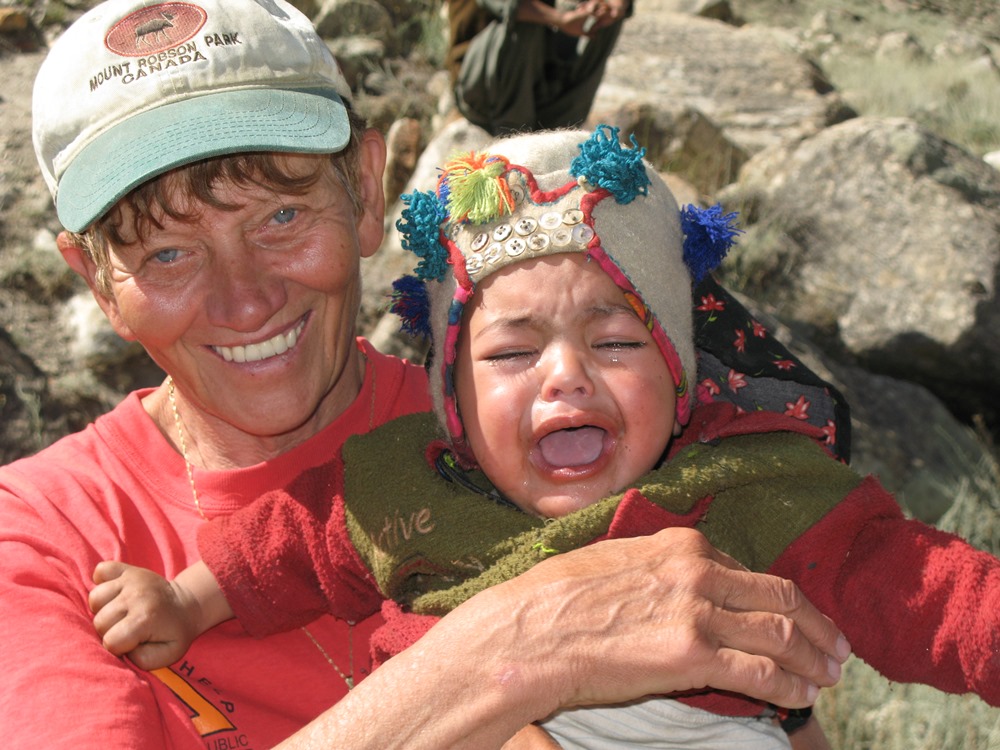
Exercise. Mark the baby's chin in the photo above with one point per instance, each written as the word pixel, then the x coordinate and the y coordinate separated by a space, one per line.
pixel 558 504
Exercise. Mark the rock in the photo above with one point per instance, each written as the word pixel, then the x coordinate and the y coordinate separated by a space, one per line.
pixel 885 239
pixel 684 141
pixel 404 143
pixel 896 44
pixel 719 10
pixel 338 19
pixel 17 29
pixel 13 20
pixel 753 85
pixel 357 56
pixel 23 390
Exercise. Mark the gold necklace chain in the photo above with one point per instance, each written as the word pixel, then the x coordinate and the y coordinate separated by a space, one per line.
pixel 183 445
pixel 348 679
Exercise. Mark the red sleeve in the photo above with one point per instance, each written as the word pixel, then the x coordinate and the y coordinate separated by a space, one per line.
pixel 916 603
pixel 60 687
pixel 400 630
pixel 286 558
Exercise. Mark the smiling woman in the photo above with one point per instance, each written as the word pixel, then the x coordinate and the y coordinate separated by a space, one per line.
pixel 566 381
pixel 239 276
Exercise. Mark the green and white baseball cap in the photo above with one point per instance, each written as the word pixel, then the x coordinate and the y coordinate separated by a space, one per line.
pixel 134 89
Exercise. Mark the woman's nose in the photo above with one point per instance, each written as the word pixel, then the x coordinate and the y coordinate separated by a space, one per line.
pixel 245 292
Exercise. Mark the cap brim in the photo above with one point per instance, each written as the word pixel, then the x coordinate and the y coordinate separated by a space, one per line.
pixel 153 142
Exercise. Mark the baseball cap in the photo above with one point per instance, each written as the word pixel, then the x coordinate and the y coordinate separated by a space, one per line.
pixel 133 89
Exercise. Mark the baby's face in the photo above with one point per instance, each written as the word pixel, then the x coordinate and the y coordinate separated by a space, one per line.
pixel 564 395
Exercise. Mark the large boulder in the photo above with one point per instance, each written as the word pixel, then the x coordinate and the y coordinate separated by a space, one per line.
pixel 748 80
pixel 885 239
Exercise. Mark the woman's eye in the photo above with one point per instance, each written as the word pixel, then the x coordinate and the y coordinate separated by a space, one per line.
pixel 284 216
pixel 167 255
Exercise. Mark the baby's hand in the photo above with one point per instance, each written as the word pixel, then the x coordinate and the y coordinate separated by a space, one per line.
pixel 140 614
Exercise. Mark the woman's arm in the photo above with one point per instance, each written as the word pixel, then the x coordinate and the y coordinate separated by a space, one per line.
pixel 603 624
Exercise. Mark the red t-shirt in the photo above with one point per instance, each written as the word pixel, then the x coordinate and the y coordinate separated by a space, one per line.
pixel 119 491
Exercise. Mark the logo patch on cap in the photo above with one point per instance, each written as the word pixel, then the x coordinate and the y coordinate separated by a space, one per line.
pixel 155 29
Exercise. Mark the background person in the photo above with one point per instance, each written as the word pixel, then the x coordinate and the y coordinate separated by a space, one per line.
pixel 521 65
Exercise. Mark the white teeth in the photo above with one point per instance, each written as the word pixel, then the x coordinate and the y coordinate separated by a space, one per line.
pixel 263 350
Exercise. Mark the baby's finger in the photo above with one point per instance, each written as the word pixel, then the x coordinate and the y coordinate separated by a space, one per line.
pixel 119 637
pixel 154 655
pixel 102 595
pixel 108 570
pixel 106 617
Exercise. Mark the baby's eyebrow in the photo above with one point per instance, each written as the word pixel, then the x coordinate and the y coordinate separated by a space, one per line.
pixel 606 310
pixel 515 321
pixel 510 323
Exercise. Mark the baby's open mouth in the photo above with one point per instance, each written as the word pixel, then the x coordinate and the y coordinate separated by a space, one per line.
pixel 576 446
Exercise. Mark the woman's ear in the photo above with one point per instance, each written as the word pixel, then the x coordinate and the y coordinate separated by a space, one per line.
pixel 80 261
pixel 371 223
pixel 77 258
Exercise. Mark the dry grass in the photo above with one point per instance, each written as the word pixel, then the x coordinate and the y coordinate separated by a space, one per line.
pixel 958 98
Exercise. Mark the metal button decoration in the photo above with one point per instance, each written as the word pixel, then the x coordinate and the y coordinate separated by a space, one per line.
pixel 531 230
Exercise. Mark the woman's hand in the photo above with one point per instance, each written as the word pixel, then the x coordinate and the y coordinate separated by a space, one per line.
pixel 608 623
pixel 631 617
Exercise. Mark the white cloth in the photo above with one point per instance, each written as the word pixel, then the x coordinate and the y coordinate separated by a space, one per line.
pixel 662 723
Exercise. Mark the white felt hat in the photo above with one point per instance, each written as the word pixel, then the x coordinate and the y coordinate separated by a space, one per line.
pixel 558 192
pixel 133 89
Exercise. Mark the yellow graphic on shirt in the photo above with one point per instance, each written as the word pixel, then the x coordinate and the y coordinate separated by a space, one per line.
pixel 207 719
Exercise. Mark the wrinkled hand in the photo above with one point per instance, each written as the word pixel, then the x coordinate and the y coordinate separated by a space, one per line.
pixel 532 737
pixel 666 613
pixel 140 614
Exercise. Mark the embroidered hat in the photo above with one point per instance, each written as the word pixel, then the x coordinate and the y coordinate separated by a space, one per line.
pixel 548 193
pixel 133 89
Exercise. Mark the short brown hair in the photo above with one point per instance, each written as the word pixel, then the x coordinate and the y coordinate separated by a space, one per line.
pixel 199 180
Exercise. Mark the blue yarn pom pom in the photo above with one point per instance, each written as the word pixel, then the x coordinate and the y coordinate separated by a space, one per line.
pixel 604 163
pixel 411 303
pixel 708 235
pixel 420 228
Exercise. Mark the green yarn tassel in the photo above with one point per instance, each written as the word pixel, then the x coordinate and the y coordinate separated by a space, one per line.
pixel 475 188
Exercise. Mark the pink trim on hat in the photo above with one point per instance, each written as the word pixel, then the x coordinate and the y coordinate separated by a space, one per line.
pixel 454 423
pixel 538 197
pixel 608 265
pixel 456 259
